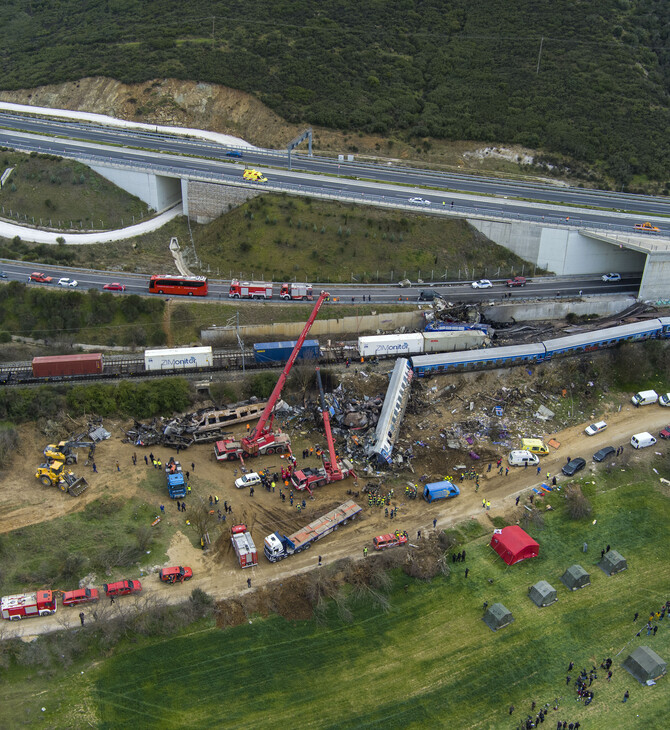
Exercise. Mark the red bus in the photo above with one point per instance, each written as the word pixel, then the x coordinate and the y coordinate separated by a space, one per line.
pixel 187 285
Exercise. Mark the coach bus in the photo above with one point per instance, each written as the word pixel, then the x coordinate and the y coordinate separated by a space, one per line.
pixel 185 285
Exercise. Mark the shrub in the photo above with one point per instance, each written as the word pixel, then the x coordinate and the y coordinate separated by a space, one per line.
pixel 577 504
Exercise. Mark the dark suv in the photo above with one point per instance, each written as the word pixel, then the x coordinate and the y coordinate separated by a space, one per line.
pixel 428 296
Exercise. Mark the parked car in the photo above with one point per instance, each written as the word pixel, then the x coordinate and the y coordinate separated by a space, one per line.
pixel 419 201
pixel 81 595
pixel 40 278
pixel 122 587
pixel 573 466
pixel 517 281
pixel 603 453
pixel 175 574
pixel 595 428
pixel 115 286
pixel 67 282
pixel 642 440
pixel 611 277
pixel 665 433
pixel 664 400
pixel 248 480
pixel 482 284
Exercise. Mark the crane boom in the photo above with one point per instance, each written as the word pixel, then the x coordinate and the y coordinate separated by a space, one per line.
pixel 333 469
pixel 250 442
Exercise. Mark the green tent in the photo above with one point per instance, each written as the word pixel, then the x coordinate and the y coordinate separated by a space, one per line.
pixel 612 563
pixel 575 577
pixel 645 664
pixel 497 617
pixel 542 594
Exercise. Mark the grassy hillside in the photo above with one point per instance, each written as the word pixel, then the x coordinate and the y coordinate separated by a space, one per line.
pixel 456 70
pixel 427 661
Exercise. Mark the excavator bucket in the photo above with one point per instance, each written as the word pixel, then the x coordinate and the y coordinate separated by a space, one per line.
pixel 78 486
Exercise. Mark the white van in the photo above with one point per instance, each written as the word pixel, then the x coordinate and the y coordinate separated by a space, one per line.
pixel 641 440
pixel 521 457
pixel 644 398
pixel 664 400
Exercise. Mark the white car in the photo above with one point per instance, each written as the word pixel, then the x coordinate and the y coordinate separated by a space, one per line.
pixel 482 284
pixel 611 277
pixel 67 282
pixel 595 428
pixel 419 201
pixel 248 480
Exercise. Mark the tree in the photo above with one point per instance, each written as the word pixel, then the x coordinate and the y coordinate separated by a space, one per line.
pixel 577 504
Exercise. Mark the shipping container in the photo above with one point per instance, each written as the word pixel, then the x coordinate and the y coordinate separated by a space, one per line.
pixel 277 352
pixel 452 341
pixel 178 358
pixel 391 345
pixel 61 365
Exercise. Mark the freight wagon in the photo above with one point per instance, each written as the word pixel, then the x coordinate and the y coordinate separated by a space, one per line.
pixel 279 352
pixel 63 365
pixel 416 343
pixel 179 358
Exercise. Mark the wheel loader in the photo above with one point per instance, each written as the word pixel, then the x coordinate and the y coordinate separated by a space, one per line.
pixel 55 474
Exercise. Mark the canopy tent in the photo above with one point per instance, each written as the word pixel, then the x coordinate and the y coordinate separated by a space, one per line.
pixel 513 544
pixel 497 617
pixel 645 664
pixel 575 577
pixel 613 562
pixel 542 594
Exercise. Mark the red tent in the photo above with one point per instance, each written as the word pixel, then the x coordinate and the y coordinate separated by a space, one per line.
pixel 513 544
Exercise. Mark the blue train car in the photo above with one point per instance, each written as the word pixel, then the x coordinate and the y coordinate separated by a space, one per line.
pixel 279 352
pixel 488 357
pixel 588 341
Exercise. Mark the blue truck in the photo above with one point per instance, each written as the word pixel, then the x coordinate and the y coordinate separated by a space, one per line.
pixel 440 490
pixel 176 483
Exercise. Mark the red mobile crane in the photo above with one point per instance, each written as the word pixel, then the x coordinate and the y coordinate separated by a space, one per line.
pixel 333 470
pixel 263 440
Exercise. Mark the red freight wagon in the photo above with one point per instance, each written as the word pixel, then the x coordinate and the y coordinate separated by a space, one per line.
pixel 82 364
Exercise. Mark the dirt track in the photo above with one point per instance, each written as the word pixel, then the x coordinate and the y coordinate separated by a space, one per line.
pixel 24 501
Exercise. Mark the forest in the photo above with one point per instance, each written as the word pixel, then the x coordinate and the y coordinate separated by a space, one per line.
pixel 585 79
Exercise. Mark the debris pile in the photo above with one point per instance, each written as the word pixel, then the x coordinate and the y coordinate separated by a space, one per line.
pixel 202 426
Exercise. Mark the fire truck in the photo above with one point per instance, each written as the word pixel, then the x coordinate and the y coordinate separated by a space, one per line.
pixel 296 291
pixel 40 603
pixel 262 439
pixel 244 546
pixel 250 289
pixel 332 470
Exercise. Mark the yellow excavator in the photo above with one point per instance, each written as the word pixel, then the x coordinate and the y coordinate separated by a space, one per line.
pixel 54 474
pixel 65 451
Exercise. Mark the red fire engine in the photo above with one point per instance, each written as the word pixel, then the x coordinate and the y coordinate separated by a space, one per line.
pixel 40 603
pixel 296 291
pixel 250 289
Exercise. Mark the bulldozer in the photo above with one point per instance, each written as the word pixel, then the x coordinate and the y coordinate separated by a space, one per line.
pixel 54 474
pixel 65 451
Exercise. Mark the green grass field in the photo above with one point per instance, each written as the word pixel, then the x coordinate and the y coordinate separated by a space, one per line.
pixel 428 662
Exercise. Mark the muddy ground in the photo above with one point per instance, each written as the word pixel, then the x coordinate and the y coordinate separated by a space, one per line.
pixel 435 418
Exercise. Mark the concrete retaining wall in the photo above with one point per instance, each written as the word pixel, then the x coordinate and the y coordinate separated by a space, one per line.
pixel 539 310
pixel 323 328
pixel 157 191
pixel 204 202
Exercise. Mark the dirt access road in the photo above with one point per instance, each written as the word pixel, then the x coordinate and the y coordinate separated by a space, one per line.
pixel 217 573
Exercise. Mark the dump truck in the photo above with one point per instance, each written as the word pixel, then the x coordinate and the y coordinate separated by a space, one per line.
pixel 277 546
pixel 39 603
pixel 244 546
pixel 176 483
pixel 54 474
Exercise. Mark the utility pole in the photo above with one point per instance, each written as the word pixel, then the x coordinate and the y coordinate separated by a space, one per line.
pixel 539 56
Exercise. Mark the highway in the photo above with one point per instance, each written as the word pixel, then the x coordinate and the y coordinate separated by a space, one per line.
pixel 390 184
pixel 537 288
